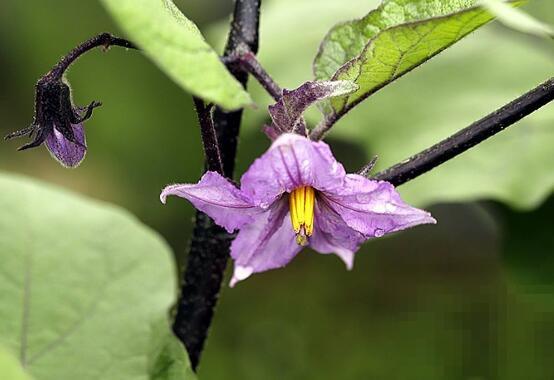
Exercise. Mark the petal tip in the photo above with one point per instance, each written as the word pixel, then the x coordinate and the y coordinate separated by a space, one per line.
pixel 163 195
pixel 240 274
pixel 429 219
pixel 348 260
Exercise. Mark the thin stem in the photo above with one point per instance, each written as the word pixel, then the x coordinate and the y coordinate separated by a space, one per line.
pixel 209 248
pixel 105 39
pixel 209 137
pixel 470 136
pixel 247 60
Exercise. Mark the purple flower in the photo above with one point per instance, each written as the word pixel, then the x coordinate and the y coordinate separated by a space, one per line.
pixel 57 123
pixel 297 195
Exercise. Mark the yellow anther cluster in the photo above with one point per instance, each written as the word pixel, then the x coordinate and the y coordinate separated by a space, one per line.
pixel 302 201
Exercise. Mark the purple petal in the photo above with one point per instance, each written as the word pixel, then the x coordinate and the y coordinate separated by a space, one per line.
pixel 291 161
pixel 374 208
pixel 217 197
pixel 64 151
pixel 333 235
pixel 287 112
pixel 266 243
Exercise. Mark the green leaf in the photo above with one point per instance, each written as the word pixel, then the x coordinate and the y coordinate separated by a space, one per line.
pixel 478 75
pixel 176 45
pixel 168 359
pixel 10 368
pixel 84 286
pixel 391 41
pixel 518 20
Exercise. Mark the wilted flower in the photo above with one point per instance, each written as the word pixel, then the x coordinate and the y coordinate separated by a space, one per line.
pixel 297 195
pixel 57 122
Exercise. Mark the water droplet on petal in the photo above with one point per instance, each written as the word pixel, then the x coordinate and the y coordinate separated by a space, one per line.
pixel 264 205
pixel 379 232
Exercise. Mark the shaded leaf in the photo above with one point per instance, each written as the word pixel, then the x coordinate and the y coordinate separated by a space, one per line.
pixel 392 40
pixel 176 45
pixel 82 283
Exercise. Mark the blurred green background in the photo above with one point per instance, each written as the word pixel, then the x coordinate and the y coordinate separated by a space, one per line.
pixel 469 298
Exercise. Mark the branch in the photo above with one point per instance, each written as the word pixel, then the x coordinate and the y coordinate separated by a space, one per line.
pixel 247 60
pixel 105 39
pixel 470 136
pixel 209 248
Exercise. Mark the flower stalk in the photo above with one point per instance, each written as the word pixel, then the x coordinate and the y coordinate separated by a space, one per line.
pixel 209 137
pixel 104 40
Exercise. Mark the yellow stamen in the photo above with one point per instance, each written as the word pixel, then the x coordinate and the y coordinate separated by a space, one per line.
pixel 302 202
pixel 309 211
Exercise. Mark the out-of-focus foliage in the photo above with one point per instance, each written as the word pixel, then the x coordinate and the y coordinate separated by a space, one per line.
pixel 178 48
pixel 517 19
pixel 83 285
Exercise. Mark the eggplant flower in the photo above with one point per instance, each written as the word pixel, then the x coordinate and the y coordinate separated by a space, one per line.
pixel 297 195
pixel 57 123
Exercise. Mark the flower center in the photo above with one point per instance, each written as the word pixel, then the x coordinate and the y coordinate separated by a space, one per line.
pixel 302 201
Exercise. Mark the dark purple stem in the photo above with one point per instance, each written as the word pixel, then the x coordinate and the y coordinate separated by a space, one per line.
pixel 209 137
pixel 245 59
pixel 209 248
pixel 470 136
pixel 105 39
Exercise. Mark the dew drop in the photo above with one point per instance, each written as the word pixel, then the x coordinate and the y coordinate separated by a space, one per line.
pixel 379 232
pixel 264 205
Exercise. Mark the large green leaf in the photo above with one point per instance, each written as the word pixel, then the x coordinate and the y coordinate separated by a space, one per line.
pixel 84 286
pixel 466 82
pixel 392 40
pixel 176 45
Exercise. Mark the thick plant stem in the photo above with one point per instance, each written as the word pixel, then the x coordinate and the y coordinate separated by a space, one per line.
pixel 470 136
pixel 209 248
